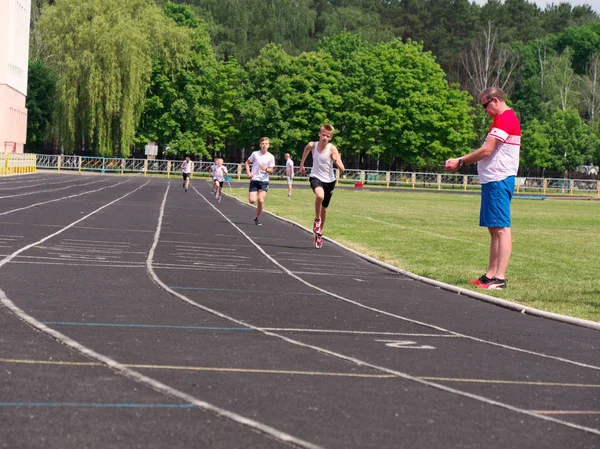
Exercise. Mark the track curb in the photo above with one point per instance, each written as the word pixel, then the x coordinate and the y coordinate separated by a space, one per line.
pixel 526 310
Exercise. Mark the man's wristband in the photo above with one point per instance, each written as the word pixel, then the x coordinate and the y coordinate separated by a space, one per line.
pixel 460 163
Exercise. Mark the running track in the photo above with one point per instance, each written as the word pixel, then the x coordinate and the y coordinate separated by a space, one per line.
pixel 135 315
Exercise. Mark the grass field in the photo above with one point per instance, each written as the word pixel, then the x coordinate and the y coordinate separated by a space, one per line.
pixel 556 246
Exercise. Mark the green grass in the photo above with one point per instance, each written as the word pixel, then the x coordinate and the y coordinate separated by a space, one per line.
pixel 556 246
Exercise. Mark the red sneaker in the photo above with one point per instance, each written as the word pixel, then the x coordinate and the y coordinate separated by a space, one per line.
pixel 318 241
pixel 481 280
pixel 317 226
pixel 494 284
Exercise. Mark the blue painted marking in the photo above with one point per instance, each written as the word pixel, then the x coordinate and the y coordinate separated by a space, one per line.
pixel 87 404
pixel 67 323
pixel 175 287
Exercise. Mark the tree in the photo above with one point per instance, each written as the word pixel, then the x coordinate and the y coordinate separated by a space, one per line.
pixel 41 85
pixel 561 82
pixel 102 53
pixel 180 108
pixel 590 92
pixel 489 64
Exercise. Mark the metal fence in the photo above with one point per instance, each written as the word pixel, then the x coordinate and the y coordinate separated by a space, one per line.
pixel 358 178
pixel 17 163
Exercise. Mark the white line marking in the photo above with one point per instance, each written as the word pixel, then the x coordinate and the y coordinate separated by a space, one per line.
pixel 341 331
pixel 355 360
pixel 62 198
pixel 50 190
pixel 60 231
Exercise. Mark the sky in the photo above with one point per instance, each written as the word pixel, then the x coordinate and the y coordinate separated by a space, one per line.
pixel 595 4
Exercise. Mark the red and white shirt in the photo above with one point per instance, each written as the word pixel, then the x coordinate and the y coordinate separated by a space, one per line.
pixel 504 161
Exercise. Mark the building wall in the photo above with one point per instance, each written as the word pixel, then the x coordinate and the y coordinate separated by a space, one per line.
pixel 14 57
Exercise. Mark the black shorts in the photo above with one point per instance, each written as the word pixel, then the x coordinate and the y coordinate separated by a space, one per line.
pixel 327 188
pixel 255 186
pixel 185 176
pixel 219 182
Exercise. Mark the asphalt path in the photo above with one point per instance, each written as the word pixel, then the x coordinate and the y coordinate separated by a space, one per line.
pixel 136 315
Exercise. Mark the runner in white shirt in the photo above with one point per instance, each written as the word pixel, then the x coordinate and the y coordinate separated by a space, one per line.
pixel 219 175
pixel 211 170
pixel 322 177
pixel 186 170
pixel 289 171
pixel 263 164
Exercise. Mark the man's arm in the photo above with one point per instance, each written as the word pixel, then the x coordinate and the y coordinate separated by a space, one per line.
pixel 486 150
pixel 248 172
pixel 335 157
pixel 307 149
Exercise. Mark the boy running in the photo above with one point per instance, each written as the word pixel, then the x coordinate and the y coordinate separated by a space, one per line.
pixel 263 164
pixel 289 171
pixel 322 177
pixel 186 170
pixel 219 174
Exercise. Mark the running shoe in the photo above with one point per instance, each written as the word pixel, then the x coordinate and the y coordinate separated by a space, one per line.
pixel 218 200
pixel 481 280
pixel 318 241
pixel 317 226
pixel 257 222
pixel 186 190
pixel 494 284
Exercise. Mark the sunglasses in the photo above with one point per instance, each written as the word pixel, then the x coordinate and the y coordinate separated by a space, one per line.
pixel 486 104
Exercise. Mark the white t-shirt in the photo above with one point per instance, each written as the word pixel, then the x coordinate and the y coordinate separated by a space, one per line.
pixel 213 168
pixel 504 160
pixel 256 159
pixel 186 167
pixel 289 167
pixel 219 173
pixel 322 167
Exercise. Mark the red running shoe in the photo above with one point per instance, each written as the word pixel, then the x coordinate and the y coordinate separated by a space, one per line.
pixel 494 284
pixel 481 280
pixel 317 226
pixel 318 241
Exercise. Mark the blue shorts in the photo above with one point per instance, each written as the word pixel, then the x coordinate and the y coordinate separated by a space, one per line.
pixel 495 203
pixel 255 186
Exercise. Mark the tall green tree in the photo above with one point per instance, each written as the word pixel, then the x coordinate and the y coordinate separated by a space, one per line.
pixel 101 51
pixel 180 111
pixel 41 85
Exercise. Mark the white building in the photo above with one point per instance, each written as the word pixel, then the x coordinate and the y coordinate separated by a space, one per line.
pixel 14 56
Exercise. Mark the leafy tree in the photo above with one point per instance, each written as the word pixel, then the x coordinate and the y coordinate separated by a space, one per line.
pixel 572 143
pixel 102 53
pixel 179 111
pixel 41 84
pixel 561 85
pixel 536 147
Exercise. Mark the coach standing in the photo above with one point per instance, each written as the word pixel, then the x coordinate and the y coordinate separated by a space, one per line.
pixel 497 165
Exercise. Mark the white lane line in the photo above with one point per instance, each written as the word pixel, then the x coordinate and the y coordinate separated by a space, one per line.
pixel 431 326
pixel 50 190
pixel 10 257
pixel 220 411
pixel 62 198
pixel 358 361
pixel 124 370
pixel 350 332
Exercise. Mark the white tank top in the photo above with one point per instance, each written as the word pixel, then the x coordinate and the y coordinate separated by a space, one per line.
pixel 322 167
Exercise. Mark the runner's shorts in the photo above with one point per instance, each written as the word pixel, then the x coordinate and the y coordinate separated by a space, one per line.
pixel 255 186
pixel 495 203
pixel 327 188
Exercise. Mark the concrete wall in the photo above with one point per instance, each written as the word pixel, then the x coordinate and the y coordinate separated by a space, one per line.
pixel 14 56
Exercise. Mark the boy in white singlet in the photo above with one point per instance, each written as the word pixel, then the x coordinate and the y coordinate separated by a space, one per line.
pixel 186 170
pixel 322 177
